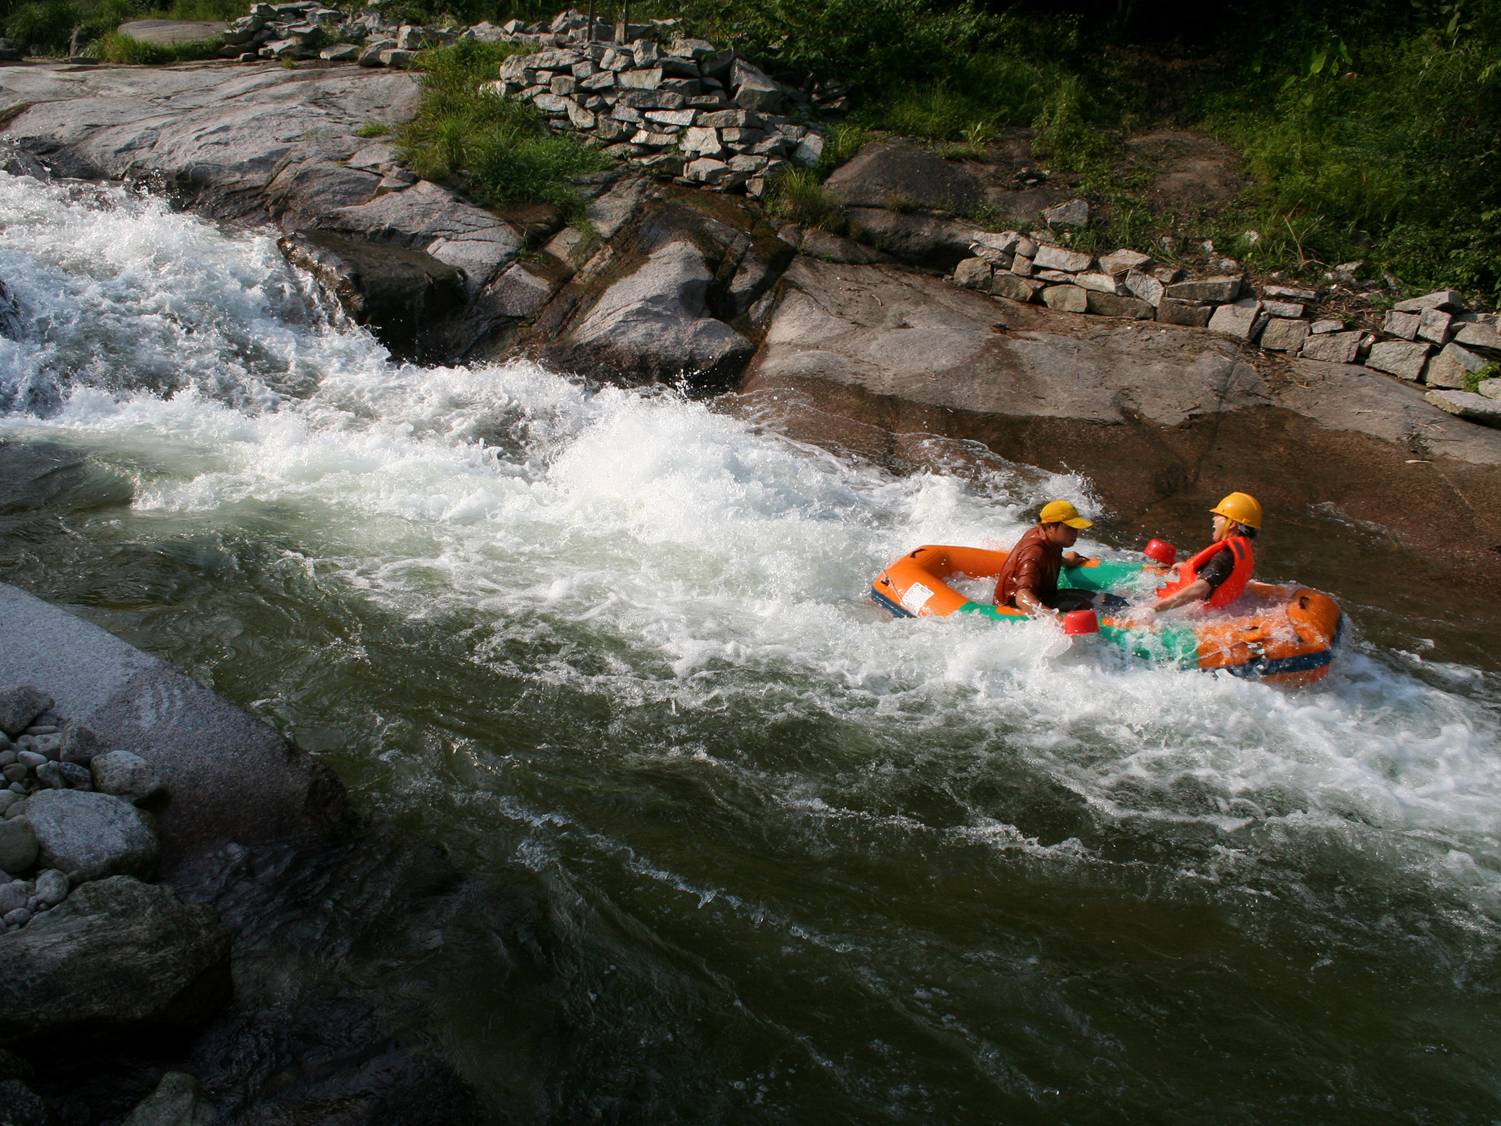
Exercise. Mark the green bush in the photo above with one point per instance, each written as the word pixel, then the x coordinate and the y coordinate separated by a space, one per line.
pixel 48 27
pixel 1381 145
pixel 499 149
pixel 799 197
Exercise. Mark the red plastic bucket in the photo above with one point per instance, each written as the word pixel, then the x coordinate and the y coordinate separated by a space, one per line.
pixel 1081 621
pixel 1160 551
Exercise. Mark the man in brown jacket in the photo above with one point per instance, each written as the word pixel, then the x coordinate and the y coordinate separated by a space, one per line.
pixel 1029 579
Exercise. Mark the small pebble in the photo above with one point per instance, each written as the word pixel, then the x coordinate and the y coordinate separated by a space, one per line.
pixel 31 758
pixel 7 757
pixel 51 887
pixel 15 772
pixel 42 729
pixel 17 918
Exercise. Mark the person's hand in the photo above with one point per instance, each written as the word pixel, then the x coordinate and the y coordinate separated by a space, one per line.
pixel 1074 559
pixel 1141 616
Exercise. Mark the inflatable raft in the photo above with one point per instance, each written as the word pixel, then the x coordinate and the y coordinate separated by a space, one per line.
pixel 1286 634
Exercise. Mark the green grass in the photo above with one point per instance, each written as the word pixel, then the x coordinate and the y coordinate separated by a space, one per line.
pixel 373 129
pixel 798 196
pixel 498 149
pixel 54 27
pixel 117 48
pixel 1474 379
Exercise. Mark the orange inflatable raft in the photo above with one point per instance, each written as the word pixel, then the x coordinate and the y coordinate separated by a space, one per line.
pixel 1282 633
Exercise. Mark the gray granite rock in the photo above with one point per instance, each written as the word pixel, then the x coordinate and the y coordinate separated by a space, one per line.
pixel 115 952
pixel 1190 314
pixel 1440 299
pixel 1061 258
pixel 1333 347
pixel 1066 298
pixel 1098 283
pixel 91 835
pixel 1118 305
pixel 1122 262
pixel 974 273
pixel 19 706
pixel 890 175
pixel 1070 213
pixel 125 775
pixel 656 320
pixel 1481 337
pixel 1290 293
pixel 1452 367
pixel 1400 358
pixel 1283 335
pixel 1015 288
pixel 1467 405
pixel 51 887
pixel 1436 326
pixel 19 848
pixel 1213 289
pixel 1288 309
pixel 1239 319
pixel 177 1101
pixel 1490 388
pixel 1144 286
pixel 1400 324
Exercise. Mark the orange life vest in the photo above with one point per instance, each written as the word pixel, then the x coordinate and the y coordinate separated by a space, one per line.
pixel 1229 590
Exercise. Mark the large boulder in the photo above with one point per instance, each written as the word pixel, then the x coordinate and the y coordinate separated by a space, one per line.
pixel 905 176
pixel 115 953
pixel 922 240
pixel 404 296
pixel 90 835
pixel 654 323
pixel 177 1101
pixel 231 776
pixel 19 707
pixel 171 33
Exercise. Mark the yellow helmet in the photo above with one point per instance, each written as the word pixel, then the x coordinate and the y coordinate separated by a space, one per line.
pixel 1062 512
pixel 1243 508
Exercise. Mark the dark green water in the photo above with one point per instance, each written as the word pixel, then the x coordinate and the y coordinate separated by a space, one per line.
pixel 786 860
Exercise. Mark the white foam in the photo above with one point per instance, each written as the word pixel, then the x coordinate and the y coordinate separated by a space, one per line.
pixel 718 564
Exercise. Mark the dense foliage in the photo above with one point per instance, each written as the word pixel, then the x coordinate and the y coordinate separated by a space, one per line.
pixel 1371 130
pixel 499 148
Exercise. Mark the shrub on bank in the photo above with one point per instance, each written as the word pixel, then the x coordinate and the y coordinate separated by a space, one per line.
pixel 499 149
pixel 59 27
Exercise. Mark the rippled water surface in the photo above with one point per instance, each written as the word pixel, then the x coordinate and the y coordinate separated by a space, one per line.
pixel 793 861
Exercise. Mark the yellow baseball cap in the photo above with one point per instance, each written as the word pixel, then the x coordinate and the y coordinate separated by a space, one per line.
pixel 1062 512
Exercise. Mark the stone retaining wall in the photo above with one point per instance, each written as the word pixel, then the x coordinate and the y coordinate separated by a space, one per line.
pixel 1433 340
pixel 684 109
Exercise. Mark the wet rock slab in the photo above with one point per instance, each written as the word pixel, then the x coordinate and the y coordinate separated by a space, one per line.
pixel 116 952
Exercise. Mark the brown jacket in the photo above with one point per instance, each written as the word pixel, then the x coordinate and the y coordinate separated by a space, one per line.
pixel 1032 565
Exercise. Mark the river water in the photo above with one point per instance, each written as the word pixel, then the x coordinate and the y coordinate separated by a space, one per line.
pixel 786 859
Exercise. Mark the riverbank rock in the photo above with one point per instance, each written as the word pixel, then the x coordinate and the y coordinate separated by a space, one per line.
pixel 89 835
pixel 19 706
pixel 654 324
pixel 116 953
pixel 125 775
pixel 231 776
pixel 404 296
pixel 168 33
pixel 177 1101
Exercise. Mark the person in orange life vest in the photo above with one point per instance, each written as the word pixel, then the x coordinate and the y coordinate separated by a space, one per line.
pixel 1029 578
pixel 1217 575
